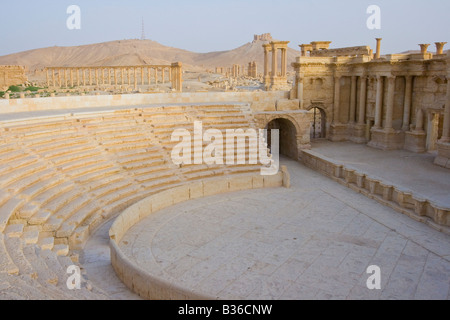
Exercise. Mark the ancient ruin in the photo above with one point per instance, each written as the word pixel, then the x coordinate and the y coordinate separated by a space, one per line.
pixel 88 182
pixel 130 76
pixel 392 101
pixel 12 75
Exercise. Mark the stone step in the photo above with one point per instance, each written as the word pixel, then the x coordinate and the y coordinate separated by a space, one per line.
pixel 93 186
pixel 92 167
pixel 54 264
pixel 6 263
pixel 112 187
pixel 73 206
pixel 15 251
pixel 40 217
pixel 147 156
pixel 28 182
pixel 8 210
pixel 144 164
pixel 138 139
pixel 99 175
pixel 44 275
pixel 120 194
pixel 21 173
pixel 56 148
pixel 55 205
pixel 128 147
pixel 49 143
pixel 75 155
pixel 14 230
pixel 14 155
pixel 52 193
pixel 42 186
pixel 61 250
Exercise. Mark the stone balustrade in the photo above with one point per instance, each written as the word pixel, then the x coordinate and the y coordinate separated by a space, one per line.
pixel 399 199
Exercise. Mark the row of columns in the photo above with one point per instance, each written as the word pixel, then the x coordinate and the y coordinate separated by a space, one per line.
pixel 57 77
pixel 388 125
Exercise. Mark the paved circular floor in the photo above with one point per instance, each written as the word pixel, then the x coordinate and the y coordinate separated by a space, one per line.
pixel 312 241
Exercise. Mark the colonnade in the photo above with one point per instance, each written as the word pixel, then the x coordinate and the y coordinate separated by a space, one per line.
pixel 123 76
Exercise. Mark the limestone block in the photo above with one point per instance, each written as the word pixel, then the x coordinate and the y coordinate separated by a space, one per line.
pixel 273 181
pixel 180 194
pixel 214 186
pixel 287 105
pixel 162 200
pixel 240 183
pixel 258 181
pixel 196 190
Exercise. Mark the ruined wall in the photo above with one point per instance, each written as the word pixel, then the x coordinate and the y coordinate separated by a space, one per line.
pixel 11 75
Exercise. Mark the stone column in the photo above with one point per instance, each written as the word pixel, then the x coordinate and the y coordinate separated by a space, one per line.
pixel 135 78
pixel 379 102
pixel 109 76
pixel 446 129
pixel 266 60
pixel 53 77
pixel 59 78
pixel 78 77
pixel 300 92
pixel 46 76
pixel 390 103
pixel 142 75
pixel 96 77
pixel 163 75
pixel 129 76
pixel 419 120
pixel 362 101
pixel 378 53
pixel 274 62
pixel 65 78
pixel 149 75
pixel 115 76
pixel 71 77
pixel 90 76
pixel 440 47
pixel 337 98
pixel 103 75
pixel 156 75
pixel 283 62
pixel 353 100
pixel 424 48
pixel 408 103
pixel 122 76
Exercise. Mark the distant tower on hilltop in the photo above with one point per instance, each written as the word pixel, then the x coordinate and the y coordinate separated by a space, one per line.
pixel 143 30
pixel 262 37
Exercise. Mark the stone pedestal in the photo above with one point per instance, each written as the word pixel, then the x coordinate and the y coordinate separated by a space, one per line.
pixel 338 132
pixel 443 158
pixel 358 133
pixel 416 141
pixel 387 139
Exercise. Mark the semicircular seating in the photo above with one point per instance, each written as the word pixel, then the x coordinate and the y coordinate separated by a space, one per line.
pixel 62 176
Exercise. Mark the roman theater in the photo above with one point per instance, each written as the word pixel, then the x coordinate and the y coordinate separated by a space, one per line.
pixel 93 207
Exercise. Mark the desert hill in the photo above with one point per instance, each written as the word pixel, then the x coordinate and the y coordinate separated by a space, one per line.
pixel 137 52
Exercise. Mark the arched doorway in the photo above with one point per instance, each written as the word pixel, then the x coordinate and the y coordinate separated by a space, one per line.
pixel 318 123
pixel 288 137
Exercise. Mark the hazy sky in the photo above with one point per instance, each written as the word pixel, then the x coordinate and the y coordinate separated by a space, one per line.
pixel 213 25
